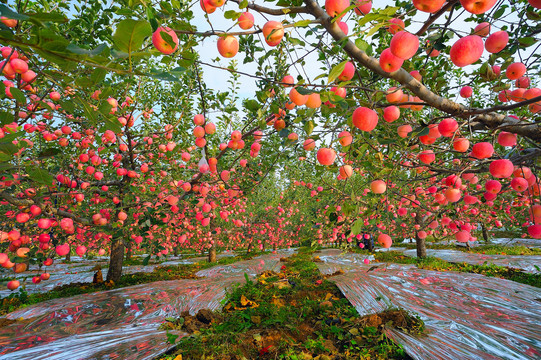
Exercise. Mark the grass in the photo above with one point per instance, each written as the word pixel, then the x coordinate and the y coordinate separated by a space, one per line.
pixel 482 249
pixel 294 314
pixel 432 263
pixel 21 298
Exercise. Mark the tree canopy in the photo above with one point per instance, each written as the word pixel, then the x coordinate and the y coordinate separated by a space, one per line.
pixel 166 125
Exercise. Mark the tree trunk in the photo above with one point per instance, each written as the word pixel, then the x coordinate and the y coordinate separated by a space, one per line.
pixel 249 248
pixel 421 247
pixel 68 255
pixel 485 233
pixel 115 262
pixel 212 253
pixel 129 252
pixel 421 243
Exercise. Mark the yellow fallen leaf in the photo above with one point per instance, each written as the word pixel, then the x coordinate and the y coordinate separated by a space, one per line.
pixel 245 302
pixel 278 302
pixel 179 357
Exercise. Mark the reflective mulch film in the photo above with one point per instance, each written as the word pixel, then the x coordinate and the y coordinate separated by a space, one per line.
pixel 527 263
pixel 81 271
pixel 121 323
pixel 516 242
pixel 467 316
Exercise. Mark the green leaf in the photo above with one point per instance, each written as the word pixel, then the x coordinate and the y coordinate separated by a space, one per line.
pixel 48 17
pixel 375 28
pixel 129 35
pixel 333 217
pixel 171 338
pixel 232 14
pixel 252 105
pixel 336 71
pixel 303 91
pixel 527 41
pixel 3 165
pixel 498 13
pixel 309 127
pixel 302 23
pixel 40 175
pixel 146 260
pixel 8 148
pixel 7 12
pixel 5 118
pixel 152 18
pixel 389 11
pixel 364 46
pixel 68 106
pixel 18 95
pixel 88 110
pixel 112 125
pixel 49 152
pixel 80 51
pixel 163 75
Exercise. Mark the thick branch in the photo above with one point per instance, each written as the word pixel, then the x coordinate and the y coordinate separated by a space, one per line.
pixel 27 202
pixel 506 107
pixel 490 120
pixel 277 12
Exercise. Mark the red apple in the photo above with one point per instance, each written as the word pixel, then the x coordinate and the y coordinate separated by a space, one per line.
pixel 389 62
pixel 535 3
pixel 326 156
pixel 363 7
pixel 273 31
pixel 348 72
pixel 429 6
pixel 160 44
pixel 336 7
pixel 246 20
pixel 13 284
pixel 404 45
pixel 467 50
pixel 515 71
pixel 478 6
pixel 466 92
pixel 228 46
pixel 365 119
pixel 483 29
pixel 496 42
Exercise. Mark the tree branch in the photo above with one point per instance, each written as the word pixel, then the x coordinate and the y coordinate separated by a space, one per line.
pixel 277 12
pixel 490 120
pixel 435 16
pixel 27 202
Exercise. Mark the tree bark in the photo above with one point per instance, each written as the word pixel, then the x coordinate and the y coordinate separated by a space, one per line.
pixel 421 246
pixel 421 243
pixel 115 262
pixel 485 233
pixel 212 253
pixel 68 255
